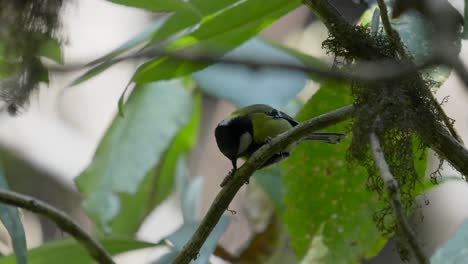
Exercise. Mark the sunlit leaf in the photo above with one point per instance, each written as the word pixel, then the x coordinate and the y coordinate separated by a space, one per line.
pixel 71 252
pixel 11 220
pixel 217 34
pixel 155 5
pixel 132 146
pixel 321 189
pixel 244 86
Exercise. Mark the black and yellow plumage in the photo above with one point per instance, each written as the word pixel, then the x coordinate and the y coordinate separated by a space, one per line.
pixel 247 129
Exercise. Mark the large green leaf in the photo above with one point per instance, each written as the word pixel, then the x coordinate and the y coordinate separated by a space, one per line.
pixel 321 190
pixel 155 5
pixel 71 252
pixel 217 34
pixel 106 61
pixel 161 30
pixel 132 146
pixel 159 182
pixel 416 33
pixel 454 250
pixel 11 220
pixel 244 86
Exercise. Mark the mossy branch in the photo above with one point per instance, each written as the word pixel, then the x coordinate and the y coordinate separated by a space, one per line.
pixel 394 194
pixel 227 193
pixel 61 219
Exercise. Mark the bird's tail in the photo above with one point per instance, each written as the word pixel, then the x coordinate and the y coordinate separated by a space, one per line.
pixel 327 137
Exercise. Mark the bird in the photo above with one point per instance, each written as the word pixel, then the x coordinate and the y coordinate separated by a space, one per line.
pixel 247 129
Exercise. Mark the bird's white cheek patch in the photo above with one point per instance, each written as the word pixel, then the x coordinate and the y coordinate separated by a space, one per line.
pixel 244 142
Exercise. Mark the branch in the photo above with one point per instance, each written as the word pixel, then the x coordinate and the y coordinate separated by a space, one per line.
pixel 392 188
pixel 225 196
pixel 364 71
pixel 394 36
pixel 62 220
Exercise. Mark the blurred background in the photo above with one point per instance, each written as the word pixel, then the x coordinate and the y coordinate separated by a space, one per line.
pixel 54 139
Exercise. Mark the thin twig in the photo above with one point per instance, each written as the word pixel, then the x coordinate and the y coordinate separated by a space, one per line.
pixel 394 193
pixel 394 36
pixel 225 196
pixel 61 219
pixel 364 71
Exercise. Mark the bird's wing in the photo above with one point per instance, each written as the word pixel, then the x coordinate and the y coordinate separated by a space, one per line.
pixel 251 109
pixel 266 109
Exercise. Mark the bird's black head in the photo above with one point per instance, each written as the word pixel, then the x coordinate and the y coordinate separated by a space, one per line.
pixel 230 132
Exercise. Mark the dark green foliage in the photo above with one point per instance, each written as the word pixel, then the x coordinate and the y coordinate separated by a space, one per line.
pixel 26 26
pixel 398 111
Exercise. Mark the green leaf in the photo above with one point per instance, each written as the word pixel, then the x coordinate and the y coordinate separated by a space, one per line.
pixel 71 252
pixel 178 239
pixel 132 146
pixel 306 59
pixel 269 179
pixel 160 30
pixel 158 182
pixel 106 61
pixel 217 33
pixel 416 33
pixel 155 5
pixel 11 220
pixel 52 50
pixel 454 250
pixel 244 86
pixel 322 190
pixel 465 19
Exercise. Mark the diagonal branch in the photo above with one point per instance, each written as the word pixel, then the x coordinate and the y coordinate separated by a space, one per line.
pixel 62 220
pixel 225 196
pixel 394 193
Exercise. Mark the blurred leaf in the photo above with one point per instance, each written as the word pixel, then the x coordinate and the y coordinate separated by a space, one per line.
pixel 216 34
pixel 106 61
pixel 306 59
pixel 52 50
pixel 155 5
pixel 191 17
pixel 166 258
pixel 12 222
pixel 416 34
pixel 71 252
pixel 465 24
pixel 268 247
pixel 321 189
pixel 160 30
pixel 132 146
pixel 190 200
pixel 269 179
pixel 453 251
pixel 158 183
pixel 179 238
pixel 244 86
